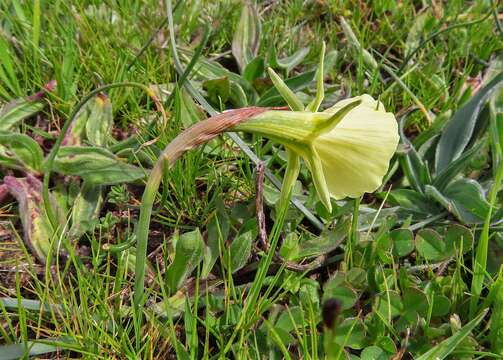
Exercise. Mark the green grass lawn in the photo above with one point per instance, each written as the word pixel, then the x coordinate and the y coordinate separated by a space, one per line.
pixel 92 92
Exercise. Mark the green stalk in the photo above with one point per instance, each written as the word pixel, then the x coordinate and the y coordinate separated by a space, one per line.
pixel 479 268
pixel 199 133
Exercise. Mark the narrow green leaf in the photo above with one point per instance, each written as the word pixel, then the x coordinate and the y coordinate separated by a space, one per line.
pixel 240 250
pixel 412 163
pixel 459 130
pixel 314 105
pixel 288 95
pixel 480 264
pixel 188 255
pixel 368 59
pixel 442 350
pixel 30 348
pixel 8 75
pixel 443 179
pixel 247 36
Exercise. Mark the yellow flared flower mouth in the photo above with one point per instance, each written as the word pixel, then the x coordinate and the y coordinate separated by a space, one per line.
pixel 355 154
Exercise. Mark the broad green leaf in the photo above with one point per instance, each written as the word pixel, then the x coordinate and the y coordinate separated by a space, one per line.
pixel 326 242
pixel 96 166
pixel 411 200
pixel 442 350
pixel 459 130
pixel 75 134
pixel 16 111
pixel 238 96
pixel 373 353
pixel 459 237
pixel 246 36
pixel 441 305
pixel 403 242
pixel 463 198
pixel 188 111
pixel 38 231
pixel 21 152
pixel 350 333
pixel 188 255
pixel 344 294
pixel 290 246
pixel 240 251
pixel 290 319
pixel 100 121
pixel 86 209
pixel 357 278
pixel 431 246
pixel 35 348
pixel 388 305
pixel 415 300
pixel 468 198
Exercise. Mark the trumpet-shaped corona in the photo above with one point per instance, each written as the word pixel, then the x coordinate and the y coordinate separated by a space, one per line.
pixel 347 147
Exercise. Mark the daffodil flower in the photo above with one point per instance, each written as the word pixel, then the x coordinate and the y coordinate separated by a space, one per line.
pixel 347 147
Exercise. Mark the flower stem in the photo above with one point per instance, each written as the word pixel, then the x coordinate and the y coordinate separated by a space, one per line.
pixel 198 134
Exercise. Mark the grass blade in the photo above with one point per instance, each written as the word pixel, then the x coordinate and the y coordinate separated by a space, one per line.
pixel 442 350
pixel 480 264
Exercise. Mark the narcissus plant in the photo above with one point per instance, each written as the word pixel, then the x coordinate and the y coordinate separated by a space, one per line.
pixel 347 148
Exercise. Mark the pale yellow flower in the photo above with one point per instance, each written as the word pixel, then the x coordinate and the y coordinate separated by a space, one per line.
pixel 347 147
